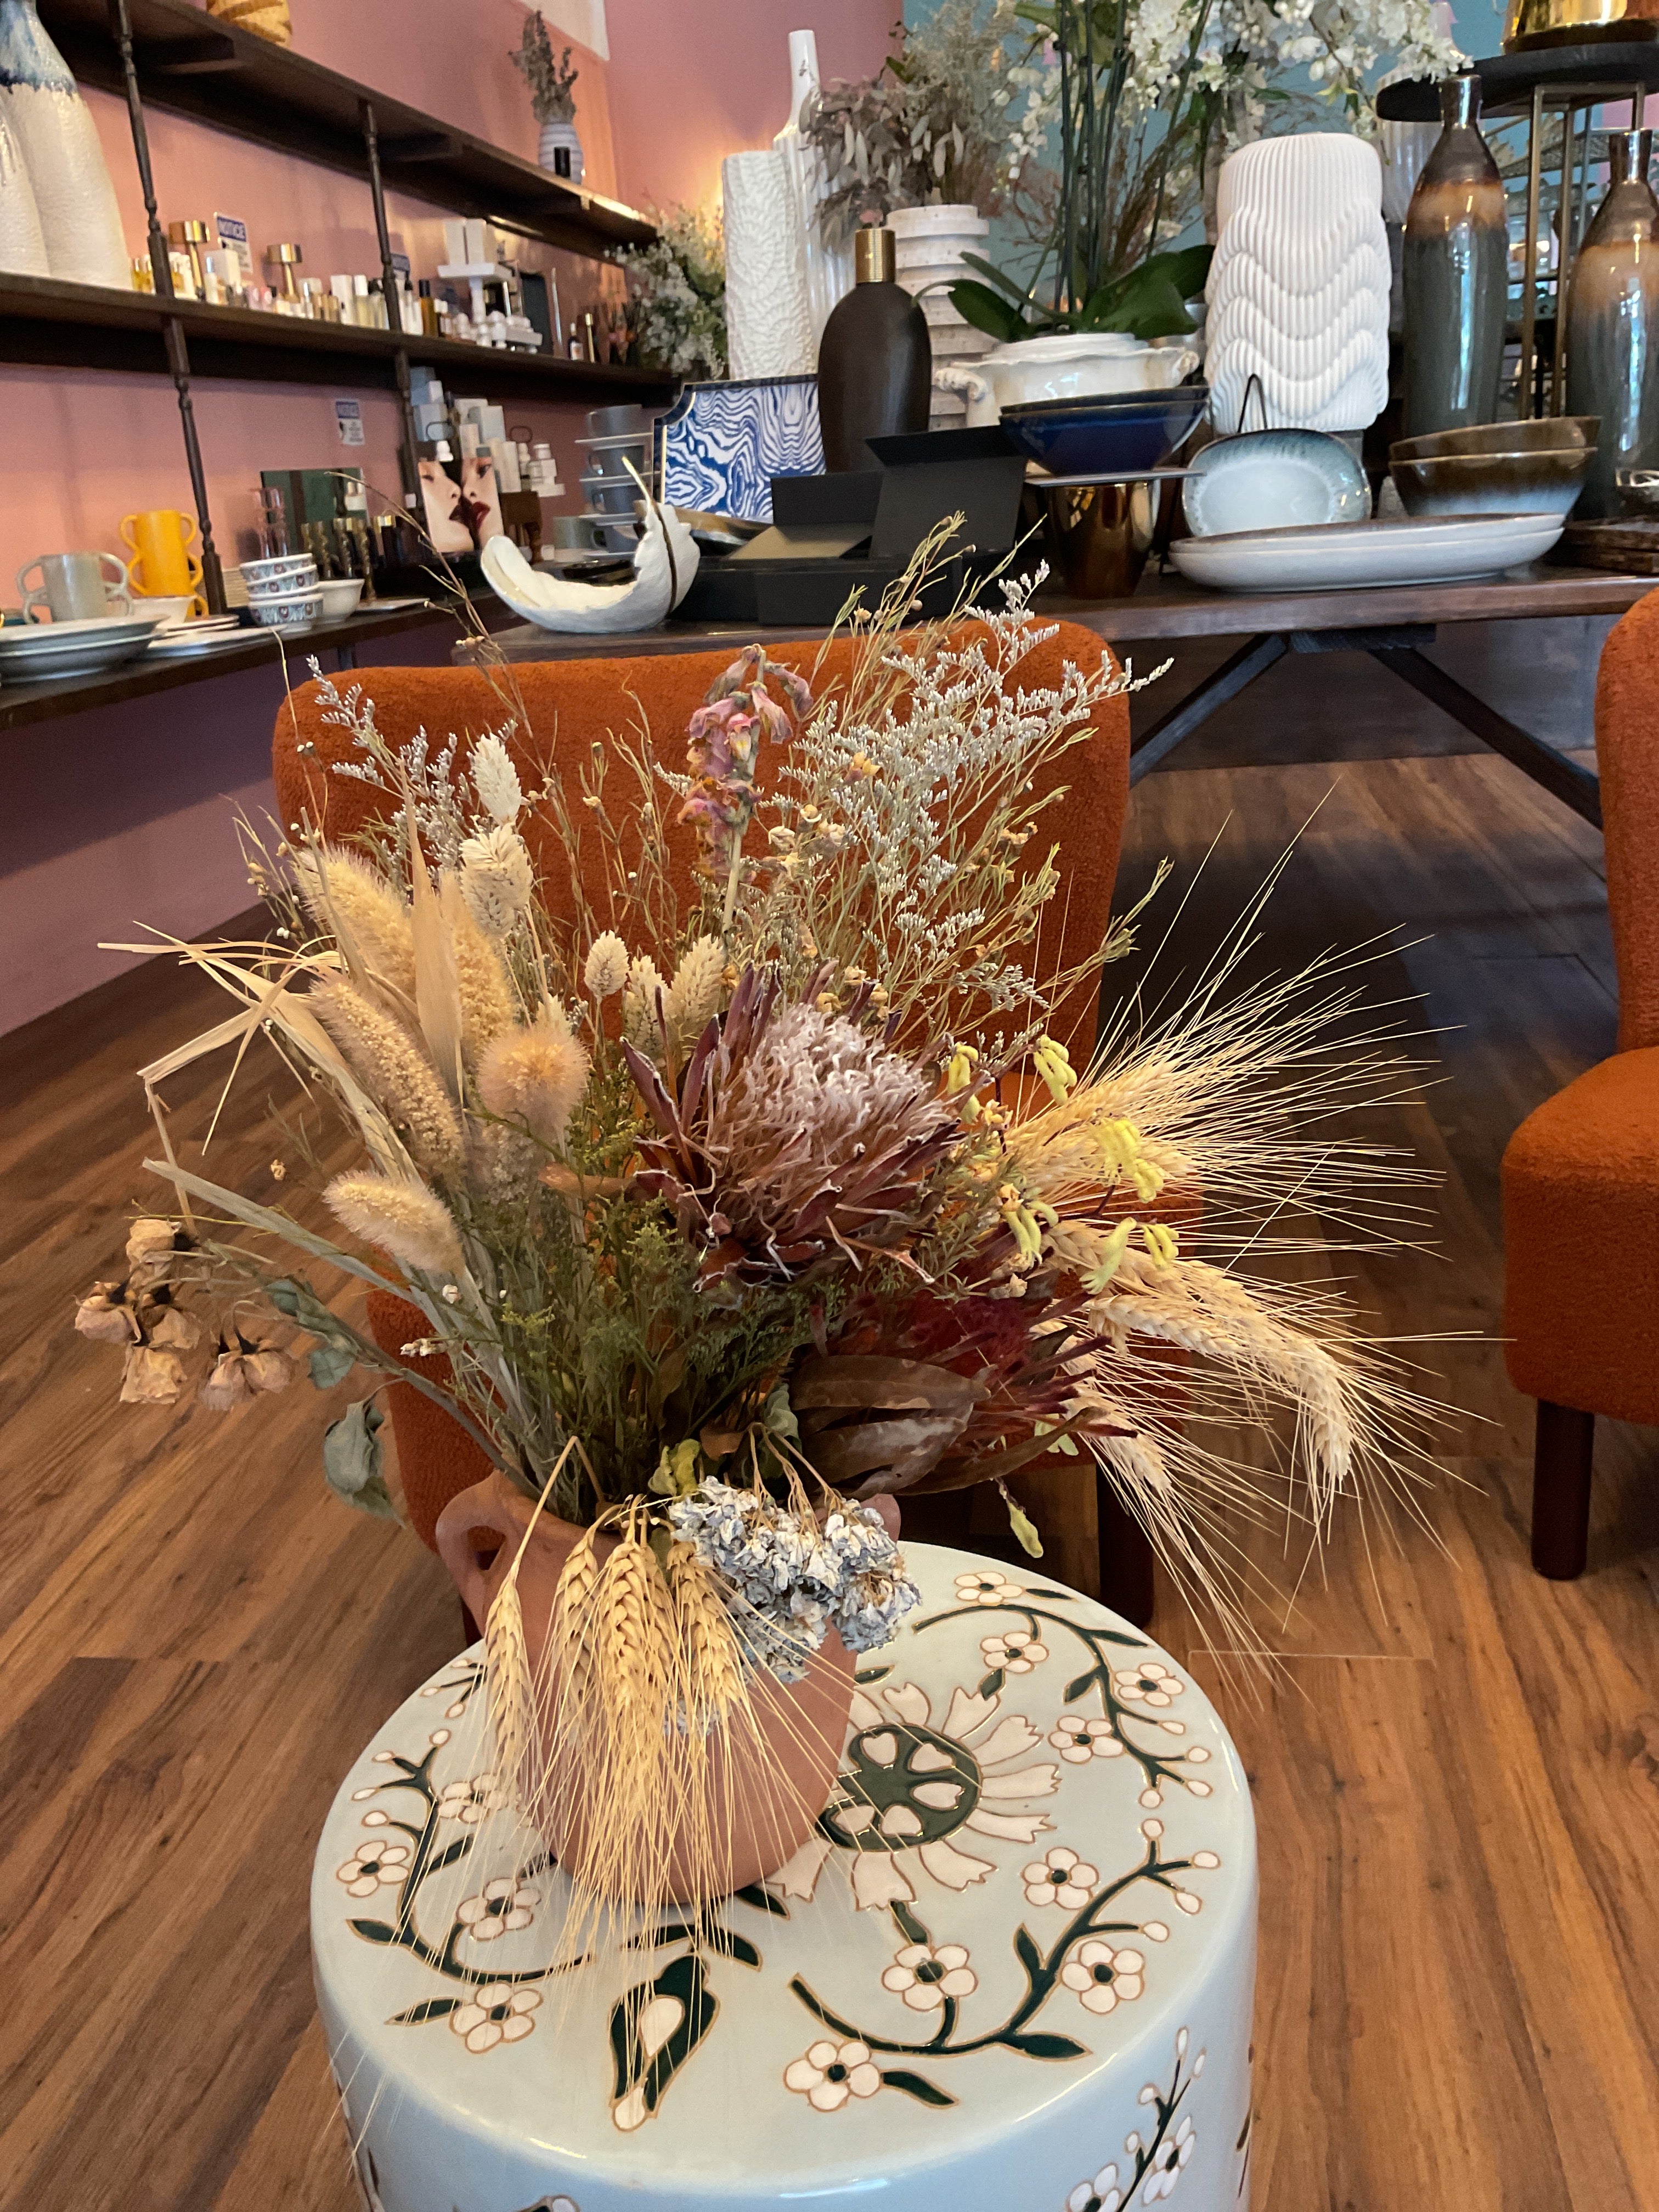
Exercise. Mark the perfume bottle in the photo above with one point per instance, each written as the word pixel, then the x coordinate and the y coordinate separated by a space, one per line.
pixel 1455 274
pixel 1613 325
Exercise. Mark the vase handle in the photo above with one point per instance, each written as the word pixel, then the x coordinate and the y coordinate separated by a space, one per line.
pixel 459 1524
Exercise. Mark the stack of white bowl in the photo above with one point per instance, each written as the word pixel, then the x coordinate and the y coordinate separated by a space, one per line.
pixel 929 243
pixel 283 593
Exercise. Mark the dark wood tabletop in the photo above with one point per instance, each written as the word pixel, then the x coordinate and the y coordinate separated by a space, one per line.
pixel 1170 607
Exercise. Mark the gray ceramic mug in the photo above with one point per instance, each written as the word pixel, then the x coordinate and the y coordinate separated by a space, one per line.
pixel 72 588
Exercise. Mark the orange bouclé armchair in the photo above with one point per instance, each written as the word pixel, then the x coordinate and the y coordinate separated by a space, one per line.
pixel 1581 1175
pixel 571 706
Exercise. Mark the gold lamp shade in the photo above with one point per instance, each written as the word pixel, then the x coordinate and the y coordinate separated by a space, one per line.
pixel 1531 23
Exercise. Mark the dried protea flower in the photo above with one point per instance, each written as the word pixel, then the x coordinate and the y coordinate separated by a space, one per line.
pixel 495 779
pixel 241 1372
pixel 796 1140
pixel 606 970
pixel 151 1377
pixel 497 881
pixel 395 1072
pixel 536 1076
pixel 106 1315
pixel 402 1218
pixel 353 901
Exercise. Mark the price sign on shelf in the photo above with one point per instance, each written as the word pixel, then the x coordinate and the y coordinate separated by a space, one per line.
pixel 348 418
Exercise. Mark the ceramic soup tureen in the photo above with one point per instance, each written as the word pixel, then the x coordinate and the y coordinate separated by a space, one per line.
pixel 1070 367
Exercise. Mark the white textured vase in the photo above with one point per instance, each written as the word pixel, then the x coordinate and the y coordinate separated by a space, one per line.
pixel 54 132
pixel 560 133
pixel 929 243
pixel 768 316
pixel 829 271
pixel 1298 290
pixel 22 246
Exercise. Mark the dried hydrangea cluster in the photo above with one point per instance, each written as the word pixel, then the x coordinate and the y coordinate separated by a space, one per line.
pixel 726 1211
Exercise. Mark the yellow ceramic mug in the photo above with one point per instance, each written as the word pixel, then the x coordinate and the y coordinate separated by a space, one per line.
pixel 164 568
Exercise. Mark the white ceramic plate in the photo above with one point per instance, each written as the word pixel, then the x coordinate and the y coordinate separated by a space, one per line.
pixel 388 607
pixel 179 641
pixel 1274 480
pixel 28 640
pixel 1348 556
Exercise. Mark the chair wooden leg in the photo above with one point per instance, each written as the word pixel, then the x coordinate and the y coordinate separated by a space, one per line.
pixel 1126 1559
pixel 1561 1490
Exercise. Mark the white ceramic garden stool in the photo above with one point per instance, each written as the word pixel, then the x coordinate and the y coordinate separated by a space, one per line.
pixel 1012 1972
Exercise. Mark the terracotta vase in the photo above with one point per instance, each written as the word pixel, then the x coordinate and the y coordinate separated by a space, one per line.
pixel 763 1795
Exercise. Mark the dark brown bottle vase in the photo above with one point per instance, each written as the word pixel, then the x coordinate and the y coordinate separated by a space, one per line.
pixel 875 363
pixel 1454 275
pixel 1613 325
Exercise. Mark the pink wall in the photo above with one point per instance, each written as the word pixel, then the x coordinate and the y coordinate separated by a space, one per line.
pixel 123 816
pixel 691 83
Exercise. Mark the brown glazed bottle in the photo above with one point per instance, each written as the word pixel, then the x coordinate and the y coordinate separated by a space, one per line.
pixel 1454 275
pixel 1613 325
pixel 875 363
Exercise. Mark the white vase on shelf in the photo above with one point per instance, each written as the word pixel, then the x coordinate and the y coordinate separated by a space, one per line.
pixel 929 243
pixel 22 245
pixel 53 130
pixel 767 315
pixel 1299 291
pixel 559 136
pixel 829 269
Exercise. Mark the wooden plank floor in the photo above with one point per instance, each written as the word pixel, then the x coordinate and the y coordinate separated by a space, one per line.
pixel 1454 1771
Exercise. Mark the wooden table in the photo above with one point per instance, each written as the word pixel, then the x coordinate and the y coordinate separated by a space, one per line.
pixel 1391 624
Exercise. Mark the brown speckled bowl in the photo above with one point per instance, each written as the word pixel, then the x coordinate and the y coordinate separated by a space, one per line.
pixel 1542 483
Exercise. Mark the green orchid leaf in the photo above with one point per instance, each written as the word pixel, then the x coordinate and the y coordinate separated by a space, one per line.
pixel 656 2028
pixel 1147 306
pixel 331 1362
pixel 1045 2046
pixel 373 1931
pixel 925 2093
pixel 429 2008
pixel 978 305
pixel 352 1460
pixel 1019 293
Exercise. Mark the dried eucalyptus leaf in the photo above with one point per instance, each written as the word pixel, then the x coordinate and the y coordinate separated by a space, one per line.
pixel 331 1362
pixel 352 1460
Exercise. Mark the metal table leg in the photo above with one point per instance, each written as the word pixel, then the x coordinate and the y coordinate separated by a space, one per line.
pixel 1234 676
pixel 1564 778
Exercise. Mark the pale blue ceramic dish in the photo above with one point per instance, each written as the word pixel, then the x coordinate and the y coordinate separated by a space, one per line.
pixel 1274 480
pixel 1111 435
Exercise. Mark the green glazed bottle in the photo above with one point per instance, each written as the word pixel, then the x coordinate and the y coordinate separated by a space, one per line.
pixel 1456 274
pixel 1613 325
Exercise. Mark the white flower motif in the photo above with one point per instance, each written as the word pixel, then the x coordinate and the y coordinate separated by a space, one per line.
pixel 986 1587
pixel 1016 1653
pixel 469 1800
pixel 1060 1878
pixel 496 2012
pixel 924 1975
pixel 1151 1682
pixel 1167 2161
pixel 896 1729
pixel 499 1907
pixel 830 2073
pixel 373 1866
pixel 1102 1978
pixel 1078 1741
pixel 1100 2195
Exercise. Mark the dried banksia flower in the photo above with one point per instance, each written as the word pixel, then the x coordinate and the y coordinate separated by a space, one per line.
pixel 242 1374
pixel 364 907
pixel 640 1020
pixel 495 779
pixel 415 1226
pixel 395 1072
pixel 497 881
pixel 488 1003
pixel 106 1315
pixel 151 1377
pixel 536 1076
pixel 606 970
pixel 693 999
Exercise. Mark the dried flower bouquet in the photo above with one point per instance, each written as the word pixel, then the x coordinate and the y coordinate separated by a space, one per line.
pixel 733 1218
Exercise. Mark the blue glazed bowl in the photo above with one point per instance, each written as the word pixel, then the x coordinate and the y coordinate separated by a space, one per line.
pixel 1120 433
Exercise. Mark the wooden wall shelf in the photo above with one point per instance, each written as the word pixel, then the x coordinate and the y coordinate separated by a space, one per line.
pixel 48 324
pixel 190 64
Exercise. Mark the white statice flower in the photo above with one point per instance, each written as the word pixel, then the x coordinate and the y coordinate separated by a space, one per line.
pixel 497 881
pixel 606 969
pixel 495 779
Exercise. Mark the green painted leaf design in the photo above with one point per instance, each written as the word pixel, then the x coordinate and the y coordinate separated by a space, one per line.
pixel 373 1931
pixel 758 1896
pixel 1030 1957
pixel 1035 2046
pixel 1075 1689
pixel 644 2056
pixel 914 2085
pixel 991 1683
pixel 429 2008
pixel 730 1946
